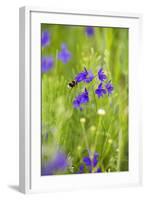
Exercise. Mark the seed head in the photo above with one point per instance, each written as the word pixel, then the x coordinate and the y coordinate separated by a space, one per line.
pixel 82 120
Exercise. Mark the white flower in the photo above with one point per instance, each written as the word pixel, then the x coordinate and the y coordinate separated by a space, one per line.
pixel 82 120
pixel 101 111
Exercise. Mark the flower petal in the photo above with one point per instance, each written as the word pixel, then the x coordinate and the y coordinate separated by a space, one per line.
pixel 87 161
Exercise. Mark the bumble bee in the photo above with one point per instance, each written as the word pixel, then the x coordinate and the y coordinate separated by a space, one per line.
pixel 72 84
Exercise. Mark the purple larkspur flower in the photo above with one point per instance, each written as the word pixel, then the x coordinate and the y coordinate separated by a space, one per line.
pixel 87 161
pixel 89 31
pixel 81 99
pixel 109 87
pixel 90 163
pixel 100 91
pixel 59 163
pixel 47 63
pixel 81 76
pixel 98 170
pixel 95 159
pixel 81 169
pixel 64 55
pixel 89 77
pixel 86 76
pixel 101 75
pixel 45 38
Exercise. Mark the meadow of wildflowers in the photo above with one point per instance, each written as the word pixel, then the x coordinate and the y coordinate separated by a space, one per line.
pixel 84 102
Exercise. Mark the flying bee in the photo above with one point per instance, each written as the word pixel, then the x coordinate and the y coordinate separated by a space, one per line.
pixel 72 84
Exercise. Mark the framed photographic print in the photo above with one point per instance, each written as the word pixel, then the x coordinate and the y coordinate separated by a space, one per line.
pixel 79 100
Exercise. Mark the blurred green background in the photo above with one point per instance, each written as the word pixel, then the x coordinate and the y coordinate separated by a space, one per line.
pixel 62 124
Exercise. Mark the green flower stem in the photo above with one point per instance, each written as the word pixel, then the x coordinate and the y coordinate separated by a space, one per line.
pixel 85 137
pixel 94 97
pixel 119 153
pixel 96 136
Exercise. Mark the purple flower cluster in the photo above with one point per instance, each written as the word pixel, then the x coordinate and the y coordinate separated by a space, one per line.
pixel 47 62
pixel 89 31
pixel 103 88
pixel 109 87
pixel 81 99
pixel 64 55
pixel 100 91
pixel 101 75
pixel 59 163
pixel 86 76
pixel 90 164
pixel 45 38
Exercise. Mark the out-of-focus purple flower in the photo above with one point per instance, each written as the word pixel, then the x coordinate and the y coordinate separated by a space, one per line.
pixel 46 64
pixel 101 75
pixel 59 163
pixel 100 91
pixel 98 170
pixel 45 38
pixel 64 55
pixel 81 99
pixel 86 76
pixel 89 31
pixel 109 87
pixel 81 169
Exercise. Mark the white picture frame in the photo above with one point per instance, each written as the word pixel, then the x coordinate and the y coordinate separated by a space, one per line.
pixel 29 95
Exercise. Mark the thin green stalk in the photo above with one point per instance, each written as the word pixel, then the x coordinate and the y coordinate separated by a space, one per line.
pixel 85 137
pixel 96 136
pixel 119 152
pixel 94 98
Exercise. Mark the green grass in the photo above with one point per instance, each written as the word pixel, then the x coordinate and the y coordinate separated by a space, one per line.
pixel 61 126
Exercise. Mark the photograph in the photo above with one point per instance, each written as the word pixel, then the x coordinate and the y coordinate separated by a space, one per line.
pixel 84 99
